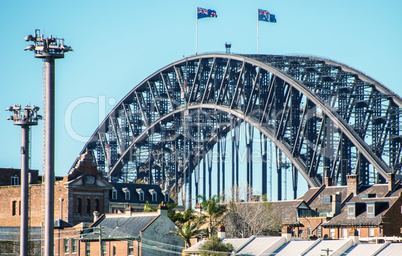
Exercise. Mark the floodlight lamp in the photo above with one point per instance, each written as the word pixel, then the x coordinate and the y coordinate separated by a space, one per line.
pixel 35 108
pixel 66 48
pixel 10 108
pixel 29 38
pixel 10 118
pixel 39 117
pixel 17 107
pixel 30 48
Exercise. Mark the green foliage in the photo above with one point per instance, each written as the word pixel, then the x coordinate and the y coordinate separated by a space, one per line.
pixel 212 211
pixel 187 231
pixel 214 246
pixel 149 208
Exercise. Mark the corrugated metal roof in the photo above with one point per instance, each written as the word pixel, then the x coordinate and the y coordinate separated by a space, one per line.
pixel 259 245
pixel 332 245
pixel 294 248
pixel 391 249
pixel 363 249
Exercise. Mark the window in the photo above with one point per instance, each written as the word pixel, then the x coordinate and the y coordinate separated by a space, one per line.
pixel 87 249
pixel 79 205
pixel 88 206
pixel 332 233
pixel 167 197
pixel 154 196
pixel 351 211
pixel 114 194
pixel 326 199
pixel 130 246
pixel 114 250
pixel 141 195
pixel 126 194
pixel 66 245
pixel 14 208
pixel 103 247
pixel 319 231
pixel 370 210
pixel 74 245
pixel 15 180
pixel 344 233
pixel 96 205
pixel 371 232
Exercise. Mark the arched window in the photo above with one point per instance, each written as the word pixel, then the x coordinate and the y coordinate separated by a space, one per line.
pixel 114 194
pixel 88 206
pixel 126 193
pixel 154 196
pixel 96 205
pixel 79 205
pixel 167 197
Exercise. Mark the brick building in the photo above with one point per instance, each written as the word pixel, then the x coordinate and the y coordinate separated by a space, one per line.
pixel 372 210
pixel 12 177
pixel 80 193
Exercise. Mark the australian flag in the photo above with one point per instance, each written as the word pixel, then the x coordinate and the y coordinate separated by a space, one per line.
pixel 205 13
pixel 264 15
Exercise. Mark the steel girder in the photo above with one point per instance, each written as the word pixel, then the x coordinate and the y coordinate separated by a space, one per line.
pixel 327 118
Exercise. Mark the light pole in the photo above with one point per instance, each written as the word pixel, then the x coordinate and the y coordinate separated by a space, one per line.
pixel 48 49
pixel 24 118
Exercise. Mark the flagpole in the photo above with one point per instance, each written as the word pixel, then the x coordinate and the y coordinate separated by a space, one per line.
pixel 258 33
pixel 196 32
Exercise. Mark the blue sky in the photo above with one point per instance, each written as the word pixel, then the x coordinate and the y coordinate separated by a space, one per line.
pixel 119 43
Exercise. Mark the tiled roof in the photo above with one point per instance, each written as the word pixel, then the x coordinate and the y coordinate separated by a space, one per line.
pixel 116 226
pixel 286 210
pixel 361 216
pixel 317 203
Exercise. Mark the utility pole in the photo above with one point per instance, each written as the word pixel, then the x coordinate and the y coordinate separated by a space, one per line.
pixel 48 49
pixel 24 118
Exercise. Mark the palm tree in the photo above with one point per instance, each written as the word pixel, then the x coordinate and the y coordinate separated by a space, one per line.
pixel 212 210
pixel 187 231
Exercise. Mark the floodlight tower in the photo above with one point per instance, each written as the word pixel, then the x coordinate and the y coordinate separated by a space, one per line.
pixel 24 118
pixel 48 49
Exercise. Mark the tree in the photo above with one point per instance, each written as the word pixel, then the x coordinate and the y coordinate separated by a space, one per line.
pixel 248 219
pixel 187 231
pixel 212 211
pixel 214 246
pixel 149 208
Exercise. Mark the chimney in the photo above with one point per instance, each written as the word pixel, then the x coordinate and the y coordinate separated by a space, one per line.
pixel 336 203
pixel 96 215
pixel 287 233
pixel 221 231
pixel 354 235
pixel 162 209
pixel 129 210
pixel 198 207
pixel 328 181
pixel 352 184
pixel 391 182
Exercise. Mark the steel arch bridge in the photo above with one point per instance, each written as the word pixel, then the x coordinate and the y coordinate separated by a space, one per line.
pixel 328 119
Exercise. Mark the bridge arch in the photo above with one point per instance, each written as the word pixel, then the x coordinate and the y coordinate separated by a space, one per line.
pixel 328 119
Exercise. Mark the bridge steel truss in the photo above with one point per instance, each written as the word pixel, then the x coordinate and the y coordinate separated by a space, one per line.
pixel 328 119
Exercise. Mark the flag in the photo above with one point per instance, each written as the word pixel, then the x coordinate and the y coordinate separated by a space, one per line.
pixel 264 15
pixel 205 13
